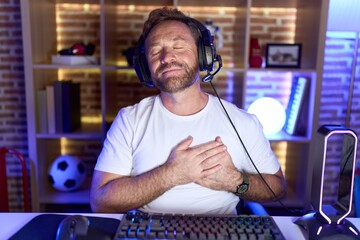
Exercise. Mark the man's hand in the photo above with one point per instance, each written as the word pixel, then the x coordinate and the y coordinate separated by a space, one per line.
pixel 191 164
pixel 227 178
pixel 221 179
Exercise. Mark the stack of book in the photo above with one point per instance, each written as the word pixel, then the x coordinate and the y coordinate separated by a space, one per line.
pixel 59 107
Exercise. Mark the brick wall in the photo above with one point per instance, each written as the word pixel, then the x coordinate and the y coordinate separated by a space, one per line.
pixel 273 25
pixel 13 131
pixel 278 26
pixel 270 26
pixel 338 62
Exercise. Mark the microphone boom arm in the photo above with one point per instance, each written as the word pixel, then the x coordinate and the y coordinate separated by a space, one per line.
pixel 209 76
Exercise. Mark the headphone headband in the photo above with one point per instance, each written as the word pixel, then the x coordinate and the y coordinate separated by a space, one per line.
pixel 206 53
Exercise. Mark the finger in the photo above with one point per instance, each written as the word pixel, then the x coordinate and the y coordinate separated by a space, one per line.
pixel 218 139
pixel 200 149
pixel 184 144
pixel 209 171
pixel 216 159
pixel 211 152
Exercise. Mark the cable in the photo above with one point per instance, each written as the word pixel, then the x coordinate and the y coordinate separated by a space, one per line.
pixel 218 58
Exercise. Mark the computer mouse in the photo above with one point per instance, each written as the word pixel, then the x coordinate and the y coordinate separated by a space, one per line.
pixel 72 226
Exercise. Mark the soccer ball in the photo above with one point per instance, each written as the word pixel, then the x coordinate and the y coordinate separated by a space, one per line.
pixel 67 173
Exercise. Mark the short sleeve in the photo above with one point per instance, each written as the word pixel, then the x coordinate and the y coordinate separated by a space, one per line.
pixel 116 154
pixel 259 148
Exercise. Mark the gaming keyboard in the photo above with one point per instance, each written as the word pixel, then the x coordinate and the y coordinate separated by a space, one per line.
pixel 140 225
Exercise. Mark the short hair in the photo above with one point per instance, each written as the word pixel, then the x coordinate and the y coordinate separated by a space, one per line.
pixel 159 15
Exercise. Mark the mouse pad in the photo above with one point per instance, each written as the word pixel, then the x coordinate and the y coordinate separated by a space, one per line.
pixel 45 226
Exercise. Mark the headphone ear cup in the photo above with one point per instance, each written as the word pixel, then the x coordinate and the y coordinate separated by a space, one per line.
pixel 209 56
pixel 140 64
pixel 201 56
pixel 206 49
pixel 206 57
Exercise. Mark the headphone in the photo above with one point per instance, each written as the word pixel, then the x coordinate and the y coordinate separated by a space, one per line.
pixel 206 53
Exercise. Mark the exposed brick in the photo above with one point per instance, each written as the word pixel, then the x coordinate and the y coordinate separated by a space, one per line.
pixel 78 24
pixel 289 13
pixel 263 21
pixel 71 24
pixel 9 9
pixel 284 29
pixel 288 21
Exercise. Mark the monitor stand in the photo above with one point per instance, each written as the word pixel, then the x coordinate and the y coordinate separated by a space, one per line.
pixel 313 228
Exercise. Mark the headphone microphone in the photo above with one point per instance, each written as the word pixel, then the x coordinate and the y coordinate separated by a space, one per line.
pixel 209 76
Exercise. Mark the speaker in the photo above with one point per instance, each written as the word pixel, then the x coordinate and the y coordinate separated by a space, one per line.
pixel 206 53
pixel 328 220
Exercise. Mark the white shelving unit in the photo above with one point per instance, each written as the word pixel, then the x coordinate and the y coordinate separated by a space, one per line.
pixel 41 41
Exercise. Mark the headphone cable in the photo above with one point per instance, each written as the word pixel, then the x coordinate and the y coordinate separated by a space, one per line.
pixel 238 135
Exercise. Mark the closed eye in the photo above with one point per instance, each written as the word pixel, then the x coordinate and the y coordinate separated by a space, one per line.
pixel 154 52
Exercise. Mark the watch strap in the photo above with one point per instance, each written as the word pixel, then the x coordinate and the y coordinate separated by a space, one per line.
pixel 244 186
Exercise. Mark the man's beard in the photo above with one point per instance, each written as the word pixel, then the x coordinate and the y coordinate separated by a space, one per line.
pixel 175 83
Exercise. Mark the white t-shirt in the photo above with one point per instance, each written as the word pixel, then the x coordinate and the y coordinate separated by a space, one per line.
pixel 143 135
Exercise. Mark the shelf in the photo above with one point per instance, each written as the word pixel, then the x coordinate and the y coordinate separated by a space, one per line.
pixel 62 66
pixel 78 1
pixel 282 70
pixel 87 132
pixel 83 66
pixel 235 69
pixel 146 3
pixel 114 25
pixel 79 136
pixel 283 136
pixel 275 4
pixel 79 196
pixel 75 197
pixel 213 3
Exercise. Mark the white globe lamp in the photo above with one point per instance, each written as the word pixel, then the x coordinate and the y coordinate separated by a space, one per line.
pixel 271 114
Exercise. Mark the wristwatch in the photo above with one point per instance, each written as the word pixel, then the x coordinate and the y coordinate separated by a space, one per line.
pixel 243 187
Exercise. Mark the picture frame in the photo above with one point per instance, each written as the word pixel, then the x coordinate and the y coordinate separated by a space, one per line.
pixel 282 55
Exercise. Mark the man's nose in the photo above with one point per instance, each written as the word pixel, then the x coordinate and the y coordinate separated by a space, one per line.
pixel 167 56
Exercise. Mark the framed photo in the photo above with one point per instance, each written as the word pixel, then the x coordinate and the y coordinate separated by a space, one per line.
pixel 283 55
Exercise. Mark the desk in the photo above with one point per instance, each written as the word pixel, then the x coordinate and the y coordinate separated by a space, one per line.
pixel 12 222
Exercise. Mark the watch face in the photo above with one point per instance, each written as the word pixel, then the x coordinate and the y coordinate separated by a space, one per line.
pixel 242 188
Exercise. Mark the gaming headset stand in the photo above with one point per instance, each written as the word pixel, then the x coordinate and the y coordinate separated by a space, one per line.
pixel 329 221
pixel 316 228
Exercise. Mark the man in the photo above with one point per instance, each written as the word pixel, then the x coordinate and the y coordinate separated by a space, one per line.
pixel 177 152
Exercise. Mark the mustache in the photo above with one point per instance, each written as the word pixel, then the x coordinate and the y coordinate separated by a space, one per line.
pixel 168 65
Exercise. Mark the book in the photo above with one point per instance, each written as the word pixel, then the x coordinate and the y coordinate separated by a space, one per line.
pixel 73 60
pixel 67 106
pixel 295 123
pixel 42 123
pixel 50 104
pixel 58 85
pixel 71 107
